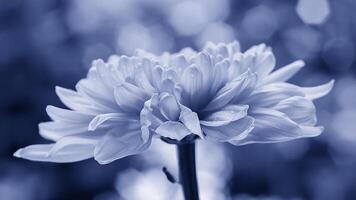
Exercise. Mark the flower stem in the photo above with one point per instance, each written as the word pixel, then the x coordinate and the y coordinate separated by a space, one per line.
pixel 187 170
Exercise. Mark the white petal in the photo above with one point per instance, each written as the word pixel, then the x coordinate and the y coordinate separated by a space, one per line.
pixel 284 73
pixel 169 107
pixel 271 94
pixel 130 98
pixel 225 116
pixel 109 119
pixel 173 130
pixel 64 115
pixel 192 81
pixel 299 109
pixel 119 143
pixel 220 75
pixel 37 152
pixel 260 60
pixel 57 130
pixel 204 64
pixel 105 73
pixel 73 144
pixel 142 81
pixel 235 130
pixel 75 101
pixel 273 126
pixel 104 101
pixel 318 91
pixel 235 89
pixel 190 120
pixel 40 152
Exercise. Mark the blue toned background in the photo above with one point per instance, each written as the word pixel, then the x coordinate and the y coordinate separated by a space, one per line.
pixel 44 43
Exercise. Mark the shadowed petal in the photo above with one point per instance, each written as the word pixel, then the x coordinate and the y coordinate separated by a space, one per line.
pixel 192 81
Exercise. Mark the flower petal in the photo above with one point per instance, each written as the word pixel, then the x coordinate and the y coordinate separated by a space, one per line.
pixel 72 144
pixel 169 107
pixel 284 73
pixel 173 130
pixel 130 98
pixel 112 118
pixel 64 115
pixel 234 90
pixel 235 130
pixel 318 91
pixel 225 116
pixel 190 120
pixel 271 94
pixel 119 143
pixel 298 109
pixel 75 101
pixel 57 130
pixel 41 152
pixel 220 75
pixel 192 81
pixel 260 60
pixel 273 126
pixel 91 90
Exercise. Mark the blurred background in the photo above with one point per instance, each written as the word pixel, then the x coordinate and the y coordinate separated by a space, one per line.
pixel 44 43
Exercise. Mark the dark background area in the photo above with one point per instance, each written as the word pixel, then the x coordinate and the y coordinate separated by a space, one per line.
pixel 44 43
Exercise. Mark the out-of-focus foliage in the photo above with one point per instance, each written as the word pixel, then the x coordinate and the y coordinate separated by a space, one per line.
pixel 44 43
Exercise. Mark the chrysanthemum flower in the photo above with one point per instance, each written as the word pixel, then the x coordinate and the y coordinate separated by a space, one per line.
pixel 219 94
pixel 237 97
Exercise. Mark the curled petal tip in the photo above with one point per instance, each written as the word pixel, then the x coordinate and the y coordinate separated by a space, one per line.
pixel 318 91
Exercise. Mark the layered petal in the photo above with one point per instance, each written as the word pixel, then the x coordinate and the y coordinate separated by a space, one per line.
pixel 234 131
pixel 55 130
pixel 120 142
pixel 130 98
pixel 233 91
pixel 298 109
pixel 225 116
pixel 271 94
pixel 274 126
pixel 67 149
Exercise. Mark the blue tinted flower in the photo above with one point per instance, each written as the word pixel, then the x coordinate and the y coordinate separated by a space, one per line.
pixel 230 96
pixel 218 94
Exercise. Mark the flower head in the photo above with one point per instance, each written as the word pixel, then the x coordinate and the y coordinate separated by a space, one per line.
pixel 219 94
